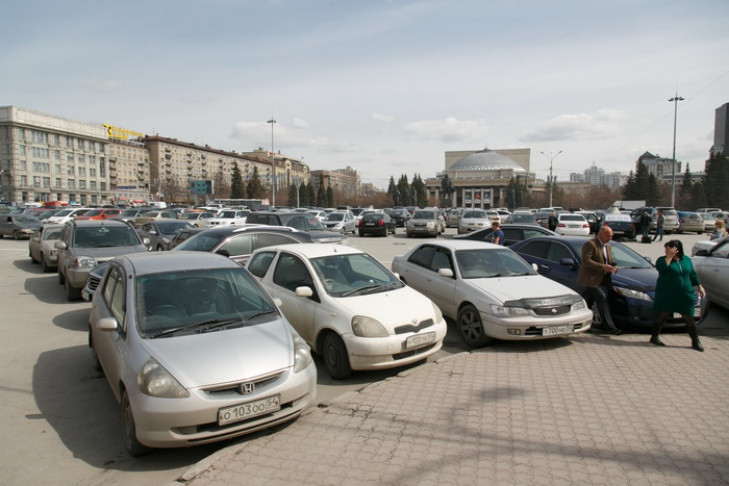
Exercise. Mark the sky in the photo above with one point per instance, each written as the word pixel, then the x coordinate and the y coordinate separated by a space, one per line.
pixel 384 87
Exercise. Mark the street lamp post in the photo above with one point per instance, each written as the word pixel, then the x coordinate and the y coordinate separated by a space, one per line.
pixel 273 166
pixel 675 101
pixel 551 157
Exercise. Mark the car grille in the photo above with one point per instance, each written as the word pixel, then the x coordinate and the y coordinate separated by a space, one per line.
pixel 235 387
pixel 408 328
pixel 552 310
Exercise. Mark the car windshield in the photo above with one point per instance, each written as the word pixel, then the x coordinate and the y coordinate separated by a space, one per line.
pixel 172 227
pixel 302 221
pixel 475 215
pixel 64 212
pixel 200 242
pixel 54 234
pixel 624 257
pixel 93 212
pixel 104 237
pixel 355 274
pixel 522 218
pixel 571 217
pixel 198 301
pixel 25 219
pixel 423 215
pixel 334 217
pixel 491 263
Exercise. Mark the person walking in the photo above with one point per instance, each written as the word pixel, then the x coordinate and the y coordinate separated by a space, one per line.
pixel 675 292
pixel 645 226
pixel 596 275
pixel 552 221
pixel 719 230
pixel 659 226
pixel 497 236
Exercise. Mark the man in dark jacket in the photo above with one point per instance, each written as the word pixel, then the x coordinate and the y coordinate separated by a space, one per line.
pixel 552 221
pixel 645 224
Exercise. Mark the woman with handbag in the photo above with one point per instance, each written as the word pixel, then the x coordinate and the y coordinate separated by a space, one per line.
pixel 675 292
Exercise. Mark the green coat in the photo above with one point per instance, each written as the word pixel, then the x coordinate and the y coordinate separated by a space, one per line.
pixel 675 286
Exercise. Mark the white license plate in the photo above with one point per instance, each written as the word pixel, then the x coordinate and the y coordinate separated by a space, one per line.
pixel 551 331
pixel 236 413
pixel 419 340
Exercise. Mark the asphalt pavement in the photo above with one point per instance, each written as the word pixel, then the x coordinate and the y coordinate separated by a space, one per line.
pixel 589 409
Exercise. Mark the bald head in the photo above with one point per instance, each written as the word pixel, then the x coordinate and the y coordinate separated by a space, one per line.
pixel 605 234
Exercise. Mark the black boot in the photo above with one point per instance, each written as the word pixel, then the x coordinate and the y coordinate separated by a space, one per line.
pixel 656 331
pixel 694 333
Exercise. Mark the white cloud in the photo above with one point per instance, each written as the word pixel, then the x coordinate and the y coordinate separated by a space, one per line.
pixel 103 85
pixel 382 118
pixel 448 130
pixel 580 126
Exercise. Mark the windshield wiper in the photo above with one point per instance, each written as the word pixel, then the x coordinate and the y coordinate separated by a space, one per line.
pixel 370 288
pixel 259 314
pixel 211 324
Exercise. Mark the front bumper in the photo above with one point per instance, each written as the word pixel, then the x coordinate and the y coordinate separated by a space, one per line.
pixel 530 328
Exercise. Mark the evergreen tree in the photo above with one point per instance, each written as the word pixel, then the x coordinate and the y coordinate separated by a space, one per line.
pixel 320 193
pixel 292 196
pixel 403 189
pixel 653 195
pixel 330 197
pixel 303 195
pixel 716 181
pixel 420 191
pixel 630 190
pixel 392 191
pixel 254 187
pixel 310 194
pixel 698 196
pixel 237 188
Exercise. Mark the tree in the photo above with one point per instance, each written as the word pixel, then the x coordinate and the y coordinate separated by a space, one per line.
pixel 420 191
pixel 293 190
pixel 684 193
pixel 255 187
pixel 393 193
pixel 221 186
pixel 653 196
pixel 403 190
pixel 330 197
pixel 237 188
pixel 716 181
pixel 320 193
pixel 303 195
pixel 310 194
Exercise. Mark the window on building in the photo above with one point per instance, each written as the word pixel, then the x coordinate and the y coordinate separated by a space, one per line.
pixel 57 155
pixel 92 185
pixel 22 165
pixel 23 181
pixel 82 171
pixel 47 182
pixel 36 181
pixel 58 183
pixel 21 135
pixel 39 137
pixel 69 142
pixel 79 144
pixel 71 183
pixel 82 185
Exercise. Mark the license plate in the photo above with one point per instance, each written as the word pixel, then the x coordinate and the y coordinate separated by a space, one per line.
pixel 236 413
pixel 551 331
pixel 369 224
pixel 419 340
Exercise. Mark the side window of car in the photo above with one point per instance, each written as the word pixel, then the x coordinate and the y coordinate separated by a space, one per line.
pixel 258 265
pixel 264 240
pixel 291 272
pixel 147 227
pixel 239 245
pixel 536 249
pixel 422 256
pixel 114 295
pixel 557 251
pixel 441 259
pixel 512 234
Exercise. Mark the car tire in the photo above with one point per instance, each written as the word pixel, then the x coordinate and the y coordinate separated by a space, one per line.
pixel 72 293
pixel 361 234
pixel 336 358
pixel 44 264
pixel 158 248
pixel 32 258
pixel 16 235
pixel 133 446
pixel 471 328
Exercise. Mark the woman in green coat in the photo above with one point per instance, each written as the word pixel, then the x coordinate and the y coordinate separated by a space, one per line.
pixel 675 292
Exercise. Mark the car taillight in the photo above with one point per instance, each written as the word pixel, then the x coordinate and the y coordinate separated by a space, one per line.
pixel 585 225
pixel 381 222
pixel 561 225
pixel 359 223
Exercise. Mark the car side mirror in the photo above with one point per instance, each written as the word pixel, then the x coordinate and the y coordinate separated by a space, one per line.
pixel 60 245
pixel 535 267
pixel 225 253
pixel 568 262
pixel 304 291
pixel 107 324
pixel 146 241
pixel 445 272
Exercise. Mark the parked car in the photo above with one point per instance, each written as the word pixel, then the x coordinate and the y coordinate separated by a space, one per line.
pixel 376 224
pixel 491 292
pixel 670 219
pixel 572 224
pixel 299 221
pixel 709 221
pixel 542 218
pixel 622 224
pixel 41 246
pixel 65 215
pixel 400 215
pixel 183 235
pixel 18 225
pixel 592 219
pixel 512 233
pixel 341 222
pixel 712 267
pixel 227 217
pixel 633 287
pixel 453 217
pixel 238 242
pixel 85 244
pixel 99 214
pixel 130 214
pixel 689 221
pixel 349 308
pixel 703 245
pixel 197 218
pixel 523 217
pixel 425 222
pixel 160 232
pixel 473 220
pixel 195 351
pixel 153 215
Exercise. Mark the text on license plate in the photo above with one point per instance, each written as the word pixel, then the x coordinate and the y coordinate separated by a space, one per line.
pixel 419 340
pixel 551 331
pixel 236 413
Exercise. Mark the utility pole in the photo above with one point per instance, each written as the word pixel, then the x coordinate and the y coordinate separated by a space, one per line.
pixel 675 101
pixel 273 166
pixel 551 157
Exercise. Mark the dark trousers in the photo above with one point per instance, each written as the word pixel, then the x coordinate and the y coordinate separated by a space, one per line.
pixel 598 295
pixel 659 231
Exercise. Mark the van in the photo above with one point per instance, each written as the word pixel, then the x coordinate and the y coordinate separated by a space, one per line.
pixel 158 204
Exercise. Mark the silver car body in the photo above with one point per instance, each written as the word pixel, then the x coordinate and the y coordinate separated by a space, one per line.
pixel 425 222
pixel 340 221
pixel 233 362
pixel 713 272
pixel 41 246
pixel 65 215
pixel 473 220
pixel 228 217
pixel 522 305
pixel 347 285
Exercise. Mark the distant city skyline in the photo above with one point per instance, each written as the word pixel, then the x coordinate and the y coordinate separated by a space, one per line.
pixel 384 87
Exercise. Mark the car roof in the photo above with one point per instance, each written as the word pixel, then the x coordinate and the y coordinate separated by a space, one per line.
pixel 149 263
pixel 315 250
pixel 463 244
pixel 250 228
pixel 99 222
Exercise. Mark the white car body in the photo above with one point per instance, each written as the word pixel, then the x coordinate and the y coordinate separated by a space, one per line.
pixel 65 215
pixel 473 220
pixel 228 217
pixel 574 224
pixel 323 292
pixel 41 246
pixel 520 306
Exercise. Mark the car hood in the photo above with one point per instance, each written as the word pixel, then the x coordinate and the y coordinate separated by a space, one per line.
pixel 519 288
pixel 224 356
pixel 104 254
pixel 392 308
pixel 325 237
pixel 636 278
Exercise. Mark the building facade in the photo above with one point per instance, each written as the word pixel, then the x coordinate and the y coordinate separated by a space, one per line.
pixel 49 158
pixel 659 166
pixel 344 182
pixel 721 129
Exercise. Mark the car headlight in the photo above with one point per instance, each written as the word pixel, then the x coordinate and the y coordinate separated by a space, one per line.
pixel 302 353
pixel 84 261
pixel 503 311
pixel 155 381
pixel 633 294
pixel 581 305
pixel 431 225
pixel 364 326
pixel 438 313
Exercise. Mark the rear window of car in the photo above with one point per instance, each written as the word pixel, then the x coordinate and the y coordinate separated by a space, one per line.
pixel 104 237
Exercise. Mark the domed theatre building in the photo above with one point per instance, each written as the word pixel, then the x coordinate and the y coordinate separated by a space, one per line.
pixel 479 179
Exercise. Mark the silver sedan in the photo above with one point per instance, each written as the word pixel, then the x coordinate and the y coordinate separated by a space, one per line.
pixel 195 351
pixel 712 266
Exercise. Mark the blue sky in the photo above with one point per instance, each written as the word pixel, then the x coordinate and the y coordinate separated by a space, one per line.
pixel 385 87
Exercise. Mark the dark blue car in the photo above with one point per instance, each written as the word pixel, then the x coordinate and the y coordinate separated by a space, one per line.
pixel 631 297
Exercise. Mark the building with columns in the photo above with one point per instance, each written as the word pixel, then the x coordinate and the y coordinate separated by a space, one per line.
pixel 479 178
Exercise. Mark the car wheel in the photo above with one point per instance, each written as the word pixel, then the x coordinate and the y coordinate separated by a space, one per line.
pixel 44 264
pixel 596 317
pixel 16 235
pixel 134 447
pixel 336 360
pixel 158 248
pixel 471 328
pixel 32 258
pixel 361 234
pixel 72 293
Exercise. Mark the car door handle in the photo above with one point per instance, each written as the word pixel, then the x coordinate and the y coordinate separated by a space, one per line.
pixel 544 267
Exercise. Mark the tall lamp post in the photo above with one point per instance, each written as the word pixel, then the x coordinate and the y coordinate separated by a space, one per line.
pixel 273 166
pixel 675 101
pixel 551 157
